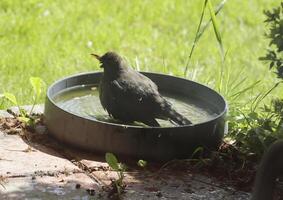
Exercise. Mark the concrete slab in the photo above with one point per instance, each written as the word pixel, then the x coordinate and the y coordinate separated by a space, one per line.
pixel 178 189
pixel 38 109
pixel 75 186
pixel 148 185
pixel 4 114
pixel 32 167
pixel 19 158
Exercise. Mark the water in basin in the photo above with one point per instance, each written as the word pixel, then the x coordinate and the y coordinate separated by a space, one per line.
pixel 84 101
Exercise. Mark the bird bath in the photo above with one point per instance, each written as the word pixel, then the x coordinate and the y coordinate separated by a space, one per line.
pixel 74 116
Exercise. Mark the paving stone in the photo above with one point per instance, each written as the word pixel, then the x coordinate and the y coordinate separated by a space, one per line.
pixel 170 186
pixel 17 157
pixel 142 184
pixel 73 186
pixel 3 113
pixel 36 109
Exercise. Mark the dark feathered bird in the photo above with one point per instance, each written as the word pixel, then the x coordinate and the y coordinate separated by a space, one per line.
pixel 129 96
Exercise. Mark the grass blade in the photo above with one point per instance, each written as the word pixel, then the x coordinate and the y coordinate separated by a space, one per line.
pixel 112 161
pixel 255 101
pixel 219 40
pixel 200 30
pixel 215 27
pixel 218 9
pixel 237 94
pixel 267 93
pixel 11 97
pixel 196 38
pixel 241 81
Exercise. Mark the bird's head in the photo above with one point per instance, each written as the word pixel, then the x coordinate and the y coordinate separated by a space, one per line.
pixel 109 60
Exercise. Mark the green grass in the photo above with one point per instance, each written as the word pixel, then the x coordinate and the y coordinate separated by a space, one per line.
pixel 52 39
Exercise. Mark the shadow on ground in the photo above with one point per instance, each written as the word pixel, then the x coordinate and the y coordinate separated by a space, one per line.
pixel 69 167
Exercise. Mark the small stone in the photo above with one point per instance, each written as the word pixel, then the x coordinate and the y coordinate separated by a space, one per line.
pixel 33 178
pixel 159 194
pixel 78 186
pixel 91 192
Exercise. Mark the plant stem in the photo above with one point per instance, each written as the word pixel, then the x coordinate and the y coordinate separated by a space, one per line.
pixel 34 102
pixel 200 31
pixel 196 38
pixel 267 93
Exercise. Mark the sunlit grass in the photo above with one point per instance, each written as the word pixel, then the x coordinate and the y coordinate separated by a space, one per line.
pixel 52 39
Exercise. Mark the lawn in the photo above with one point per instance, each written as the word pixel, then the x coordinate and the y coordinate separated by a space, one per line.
pixel 52 39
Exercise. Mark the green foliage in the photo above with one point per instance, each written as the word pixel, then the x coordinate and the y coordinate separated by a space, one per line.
pixel 1 100
pixel 274 19
pixel 156 35
pixel 215 26
pixel 11 97
pixel 255 129
pixel 37 85
pixel 142 163
pixel 120 168
pixel 112 161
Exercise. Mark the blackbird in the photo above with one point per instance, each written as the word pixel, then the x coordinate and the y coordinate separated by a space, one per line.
pixel 129 96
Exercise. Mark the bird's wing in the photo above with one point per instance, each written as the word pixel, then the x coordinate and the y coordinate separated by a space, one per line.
pixel 137 85
pixel 133 90
pixel 137 95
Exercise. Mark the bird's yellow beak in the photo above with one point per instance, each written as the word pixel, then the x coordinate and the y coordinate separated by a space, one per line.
pixel 96 56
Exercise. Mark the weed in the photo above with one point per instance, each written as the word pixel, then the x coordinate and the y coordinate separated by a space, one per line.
pixel 27 118
pixel 254 131
pixel 120 168
pixel 37 85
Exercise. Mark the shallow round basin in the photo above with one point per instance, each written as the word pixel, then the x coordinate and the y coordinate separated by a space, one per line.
pixel 74 116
